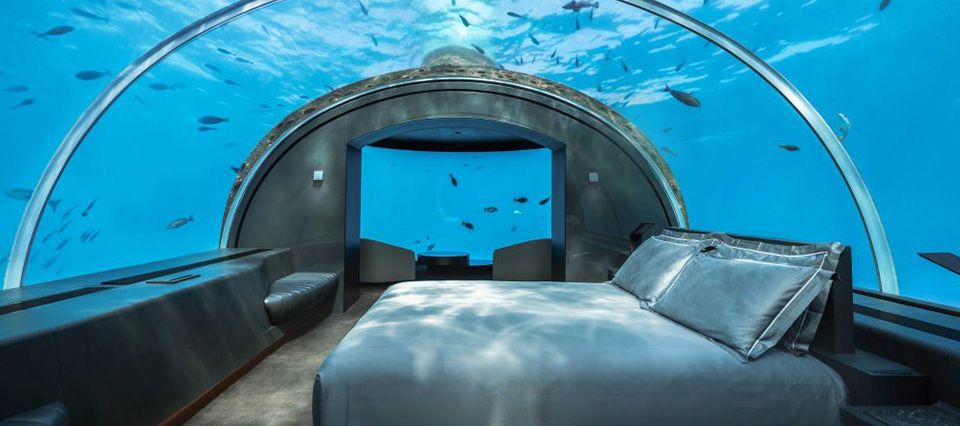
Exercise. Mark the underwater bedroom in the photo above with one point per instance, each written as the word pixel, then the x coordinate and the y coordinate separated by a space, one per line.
pixel 479 212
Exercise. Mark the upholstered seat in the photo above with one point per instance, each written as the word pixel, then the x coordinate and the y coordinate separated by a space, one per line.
pixel 52 414
pixel 298 294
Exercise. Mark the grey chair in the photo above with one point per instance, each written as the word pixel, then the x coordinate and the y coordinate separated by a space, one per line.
pixel 385 263
pixel 526 261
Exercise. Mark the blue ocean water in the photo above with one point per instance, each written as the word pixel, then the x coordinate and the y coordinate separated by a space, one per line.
pixel 890 73
pixel 471 202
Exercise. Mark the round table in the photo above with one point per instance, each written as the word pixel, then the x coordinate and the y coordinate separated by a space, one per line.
pixel 443 258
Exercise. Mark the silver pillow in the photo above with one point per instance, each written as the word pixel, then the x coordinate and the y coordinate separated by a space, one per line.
pixel 653 266
pixel 800 335
pixel 747 298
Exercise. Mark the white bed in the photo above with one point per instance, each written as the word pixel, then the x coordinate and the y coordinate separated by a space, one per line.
pixel 553 353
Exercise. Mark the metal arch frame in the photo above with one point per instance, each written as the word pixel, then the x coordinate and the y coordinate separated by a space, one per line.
pixel 883 257
pixel 68 146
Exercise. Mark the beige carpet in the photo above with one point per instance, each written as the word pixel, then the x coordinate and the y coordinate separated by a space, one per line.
pixel 278 391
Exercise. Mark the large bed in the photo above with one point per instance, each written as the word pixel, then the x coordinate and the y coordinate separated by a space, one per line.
pixel 554 353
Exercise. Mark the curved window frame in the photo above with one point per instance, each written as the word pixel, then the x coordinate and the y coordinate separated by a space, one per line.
pixel 882 255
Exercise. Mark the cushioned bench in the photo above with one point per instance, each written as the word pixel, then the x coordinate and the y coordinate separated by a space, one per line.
pixel 298 294
pixel 53 414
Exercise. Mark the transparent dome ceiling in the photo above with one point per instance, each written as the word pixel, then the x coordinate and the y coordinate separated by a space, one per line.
pixel 151 179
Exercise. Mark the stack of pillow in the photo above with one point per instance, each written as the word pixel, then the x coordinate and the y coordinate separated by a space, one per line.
pixel 746 295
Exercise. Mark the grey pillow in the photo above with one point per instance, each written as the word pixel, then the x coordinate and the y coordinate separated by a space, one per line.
pixel 747 298
pixel 653 266
pixel 800 335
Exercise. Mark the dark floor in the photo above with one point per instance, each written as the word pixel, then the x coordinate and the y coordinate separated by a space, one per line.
pixel 278 391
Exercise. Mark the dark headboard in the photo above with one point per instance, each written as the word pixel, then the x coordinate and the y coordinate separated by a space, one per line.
pixel 835 333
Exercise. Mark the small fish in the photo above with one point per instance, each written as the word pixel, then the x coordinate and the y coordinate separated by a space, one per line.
pixel 19 194
pixel 48 236
pixel 62 244
pixel 544 201
pixel 557 61
pixel 430 247
pixel 160 87
pixel 213 68
pixel 242 60
pixel 467 225
pixel 374 39
pixel 520 200
pixel 453 180
pixel 576 61
pixel 366 12
pixel 303 97
pixel 206 128
pixel 93 237
pixel 600 87
pixel 680 66
pixel 790 148
pixel 591 13
pixel 666 130
pixel 576 22
pixel 179 223
pixel 883 5
pixel 125 5
pixel 55 31
pixel 224 51
pixel 554 54
pixel 656 23
pixel 54 203
pixel 513 228
pixel 69 212
pixel 417 242
pixel 668 151
pixel 89 207
pixel 91 75
pixel 464 21
pixel 624 66
pixel 231 82
pixel 491 209
pixel 17 89
pixel 25 102
pixel 516 15
pixel 211 119
pixel 685 98
pixel 235 169
pixel 329 87
pixel 521 59
pixel 264 106
pixel 479 49
pixel 844 128
pixel 534 39
pixel 86 14
pixel 576 5
pixel 63 228
pixel 606 56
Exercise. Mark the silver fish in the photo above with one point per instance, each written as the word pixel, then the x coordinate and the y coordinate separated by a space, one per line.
pixel 179 223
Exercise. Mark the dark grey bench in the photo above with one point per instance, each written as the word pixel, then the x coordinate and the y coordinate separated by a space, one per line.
pixel 53 414
pixel 298 295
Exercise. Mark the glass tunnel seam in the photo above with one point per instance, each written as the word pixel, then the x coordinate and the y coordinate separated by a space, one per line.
pixel 881 251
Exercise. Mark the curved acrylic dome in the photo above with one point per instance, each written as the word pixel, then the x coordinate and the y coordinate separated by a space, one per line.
pixel 746 161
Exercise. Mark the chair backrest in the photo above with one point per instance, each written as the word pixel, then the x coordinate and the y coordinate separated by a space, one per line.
pixel 385 263
pixel 527 261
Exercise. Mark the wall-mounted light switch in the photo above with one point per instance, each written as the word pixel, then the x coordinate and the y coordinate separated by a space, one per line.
pixel 593 177
pixel 318 175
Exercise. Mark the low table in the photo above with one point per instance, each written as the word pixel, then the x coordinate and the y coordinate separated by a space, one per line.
pixel 443 259
pixel 451 265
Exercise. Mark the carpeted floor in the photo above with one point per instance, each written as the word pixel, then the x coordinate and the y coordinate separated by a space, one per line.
pixel 278 391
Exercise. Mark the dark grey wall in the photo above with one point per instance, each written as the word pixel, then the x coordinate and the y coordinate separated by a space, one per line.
pixel 285 208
